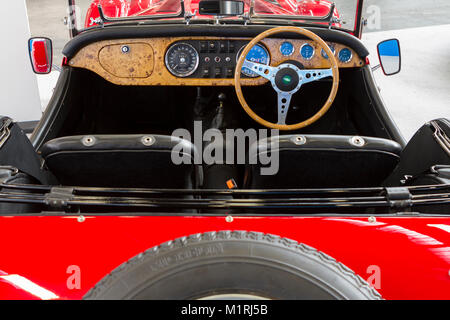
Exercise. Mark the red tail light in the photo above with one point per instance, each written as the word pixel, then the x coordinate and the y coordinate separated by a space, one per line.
pixel 41 54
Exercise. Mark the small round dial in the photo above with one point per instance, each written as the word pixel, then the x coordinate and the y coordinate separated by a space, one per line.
pixel 182 59
pixel 307 51
pixel 257 54
pixel 331 46
pixel 345 55
pixel 287 48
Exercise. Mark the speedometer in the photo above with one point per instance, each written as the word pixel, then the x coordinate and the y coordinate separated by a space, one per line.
pixel 182 59
pixel 257 54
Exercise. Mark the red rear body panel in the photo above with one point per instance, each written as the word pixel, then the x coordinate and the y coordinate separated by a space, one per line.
pixel 411 254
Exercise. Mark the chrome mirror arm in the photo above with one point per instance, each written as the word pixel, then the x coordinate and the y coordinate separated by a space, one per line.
pixel 376 67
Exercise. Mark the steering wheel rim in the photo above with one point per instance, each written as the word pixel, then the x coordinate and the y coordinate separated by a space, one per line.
pixel 269 72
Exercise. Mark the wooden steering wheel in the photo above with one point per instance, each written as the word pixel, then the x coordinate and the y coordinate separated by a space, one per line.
pixel 286 79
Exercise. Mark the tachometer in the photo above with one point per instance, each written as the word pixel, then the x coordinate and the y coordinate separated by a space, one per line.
pixel 182 59
pixel 257 54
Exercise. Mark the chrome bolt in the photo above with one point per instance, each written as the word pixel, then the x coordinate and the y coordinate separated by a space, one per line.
pixel 147 140
pixel 125 49
pixel 229 219
pixel 88 141
pixel 357 141
pixel 81 219
pixel 372 219
pixel 299 140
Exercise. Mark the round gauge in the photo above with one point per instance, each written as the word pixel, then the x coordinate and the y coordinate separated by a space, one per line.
pixel 257 54
pixel 182 59
pixel 345 55
pixel 307 51
pixel 286 48
pixel 324 54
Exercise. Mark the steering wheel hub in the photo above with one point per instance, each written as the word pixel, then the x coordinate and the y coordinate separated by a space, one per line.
pixel 287 79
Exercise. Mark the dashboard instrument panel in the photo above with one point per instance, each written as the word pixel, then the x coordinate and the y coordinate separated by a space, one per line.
pixel 199 61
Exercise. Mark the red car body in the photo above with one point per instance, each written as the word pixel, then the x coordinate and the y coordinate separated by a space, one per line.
pixel 404 257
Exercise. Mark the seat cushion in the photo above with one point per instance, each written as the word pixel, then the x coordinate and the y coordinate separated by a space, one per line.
pixel 323 161
pixel 141 161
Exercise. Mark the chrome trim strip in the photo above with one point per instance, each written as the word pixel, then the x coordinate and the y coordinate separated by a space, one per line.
pixel 441 138
pixel 5 133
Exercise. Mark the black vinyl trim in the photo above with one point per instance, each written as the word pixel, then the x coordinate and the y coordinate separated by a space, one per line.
pixel 380 107
pixel 123 32
pixel 28 126
pixel 383 152
pixel 52 111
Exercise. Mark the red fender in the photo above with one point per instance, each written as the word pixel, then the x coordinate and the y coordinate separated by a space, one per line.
pixel 408 258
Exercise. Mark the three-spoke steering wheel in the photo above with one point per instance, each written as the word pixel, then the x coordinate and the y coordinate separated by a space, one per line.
pixel 287 79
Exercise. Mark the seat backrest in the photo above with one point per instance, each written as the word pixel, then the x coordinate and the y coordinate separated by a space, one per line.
pixel 324 161
pixel 141 161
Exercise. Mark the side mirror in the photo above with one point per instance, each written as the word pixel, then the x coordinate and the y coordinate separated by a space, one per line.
pixel 221 7
pixel 41 54
pixel 390 57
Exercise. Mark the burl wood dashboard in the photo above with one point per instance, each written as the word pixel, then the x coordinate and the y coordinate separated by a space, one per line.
pixel 144 62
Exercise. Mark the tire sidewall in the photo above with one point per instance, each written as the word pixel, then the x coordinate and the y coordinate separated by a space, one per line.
pixel 232 263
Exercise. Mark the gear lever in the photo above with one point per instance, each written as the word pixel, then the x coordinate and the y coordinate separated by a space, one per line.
pixel 218 120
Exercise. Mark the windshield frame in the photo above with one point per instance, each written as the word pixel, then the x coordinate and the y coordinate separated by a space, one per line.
pixel 183 17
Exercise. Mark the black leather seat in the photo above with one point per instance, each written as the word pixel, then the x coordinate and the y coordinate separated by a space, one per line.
pixel 323 161
pixel 141 161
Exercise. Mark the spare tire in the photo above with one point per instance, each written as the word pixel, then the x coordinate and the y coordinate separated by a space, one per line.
pixel 232 264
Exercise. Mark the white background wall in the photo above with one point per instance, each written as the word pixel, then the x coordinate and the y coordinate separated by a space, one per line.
pixel 19 96
pixel 421 91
